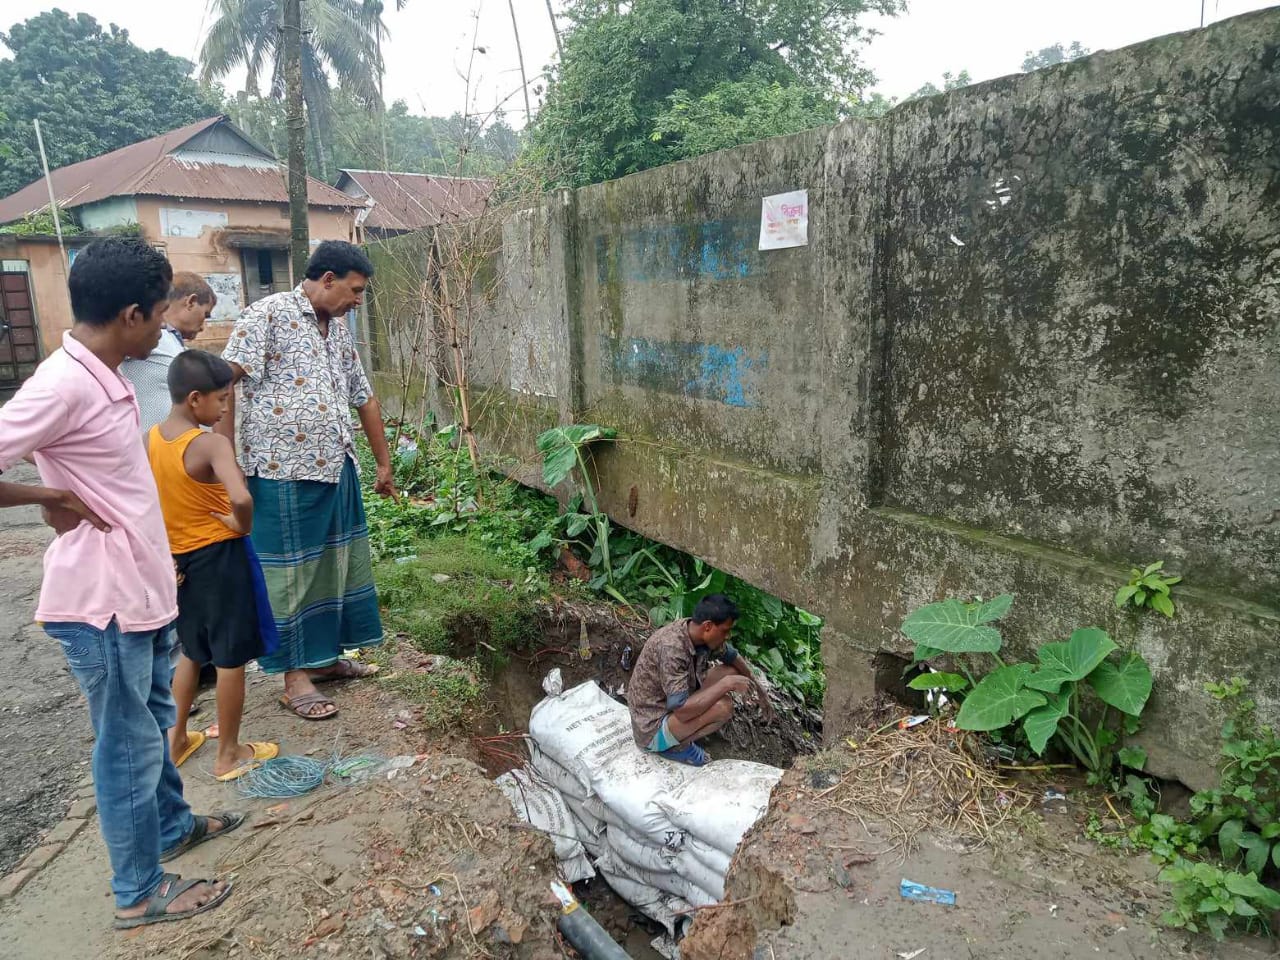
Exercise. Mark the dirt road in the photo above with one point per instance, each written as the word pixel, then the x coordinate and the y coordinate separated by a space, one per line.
pixel 44 730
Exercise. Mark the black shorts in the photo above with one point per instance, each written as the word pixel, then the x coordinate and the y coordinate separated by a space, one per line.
pixel 217 612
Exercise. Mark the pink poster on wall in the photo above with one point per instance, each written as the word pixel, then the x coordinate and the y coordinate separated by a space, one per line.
pixel 784 220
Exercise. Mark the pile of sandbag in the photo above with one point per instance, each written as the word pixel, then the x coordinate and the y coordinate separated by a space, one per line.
pixel 539 804
pixel 660 833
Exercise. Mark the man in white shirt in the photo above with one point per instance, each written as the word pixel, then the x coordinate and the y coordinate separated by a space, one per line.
pixel 191 301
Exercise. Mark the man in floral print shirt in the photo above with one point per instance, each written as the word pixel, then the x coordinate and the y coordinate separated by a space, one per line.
pixel 300 376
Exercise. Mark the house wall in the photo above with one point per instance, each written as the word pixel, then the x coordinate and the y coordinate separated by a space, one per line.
pixel 201 253
pixel 113 212
pixel 48 289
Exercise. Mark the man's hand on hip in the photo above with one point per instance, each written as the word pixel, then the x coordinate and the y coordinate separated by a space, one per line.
pixel 69 512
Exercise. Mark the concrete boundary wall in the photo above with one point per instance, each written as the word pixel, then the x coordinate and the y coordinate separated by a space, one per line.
pixel 1034 339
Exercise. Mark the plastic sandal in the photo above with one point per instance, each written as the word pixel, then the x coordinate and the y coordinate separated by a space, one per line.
pixel 171 887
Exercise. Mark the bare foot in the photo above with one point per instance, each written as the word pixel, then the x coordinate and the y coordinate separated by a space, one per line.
pixel 192 899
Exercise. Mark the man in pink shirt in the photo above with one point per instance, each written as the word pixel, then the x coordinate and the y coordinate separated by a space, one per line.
pixel 109 591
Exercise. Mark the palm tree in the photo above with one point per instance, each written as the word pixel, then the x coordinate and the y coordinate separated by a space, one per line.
pixel 339 37
pixel 374 8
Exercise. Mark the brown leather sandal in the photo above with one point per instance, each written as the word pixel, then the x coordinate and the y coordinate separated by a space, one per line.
pixel 304 701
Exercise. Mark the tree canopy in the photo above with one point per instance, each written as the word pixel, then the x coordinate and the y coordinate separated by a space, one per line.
pixel 1051 56
pixel 340 38
pixel 654 81
pixel 415 144
pixel 92 89
pixel 950 81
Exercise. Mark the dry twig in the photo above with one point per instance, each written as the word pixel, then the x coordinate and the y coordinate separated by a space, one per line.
pixel 926 776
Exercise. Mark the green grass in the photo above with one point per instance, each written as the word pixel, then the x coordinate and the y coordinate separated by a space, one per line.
pixel 483 609
pixel 446 694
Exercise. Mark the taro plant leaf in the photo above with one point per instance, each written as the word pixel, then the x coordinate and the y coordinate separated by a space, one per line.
pixel 950 682
pixel 955 627
pixel 999 699
pixel 995 608
pixel 1071 660
pixel 576 523
pixel 1042 723
pixel 808 619
pixel 559 448
pixel 1124 686
pixel 924 652
pixel 1135 758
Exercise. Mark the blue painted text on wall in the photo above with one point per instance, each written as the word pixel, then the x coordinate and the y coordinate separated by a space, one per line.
pixel 714 249
pixel 704 370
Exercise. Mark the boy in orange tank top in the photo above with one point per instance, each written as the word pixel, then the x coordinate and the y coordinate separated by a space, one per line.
pixel 223 614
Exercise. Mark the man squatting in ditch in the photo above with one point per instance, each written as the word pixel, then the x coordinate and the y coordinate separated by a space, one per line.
pixel 676 696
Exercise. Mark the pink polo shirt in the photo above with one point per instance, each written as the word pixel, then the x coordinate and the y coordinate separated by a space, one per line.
pixel 80 420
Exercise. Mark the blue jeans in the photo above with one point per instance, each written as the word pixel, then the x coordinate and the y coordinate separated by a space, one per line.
pixel 126 679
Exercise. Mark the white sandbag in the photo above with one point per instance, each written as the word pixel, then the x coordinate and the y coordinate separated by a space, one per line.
pixel 667 909
pixel 675 872
pixel 589 735
pixel 538 803
pixel 704 853
pixel 638 853
pixel 700 877
pixel 682 864
pixel 628 786
pixel 721 801
pixel 664 880
pixel 590 828
pixel 582 729
pixel 564 781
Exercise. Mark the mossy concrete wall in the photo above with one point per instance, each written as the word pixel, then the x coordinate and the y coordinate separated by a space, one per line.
pixel 1034 338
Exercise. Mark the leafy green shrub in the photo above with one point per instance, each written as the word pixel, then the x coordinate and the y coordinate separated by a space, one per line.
pixel 1046 700
pixel 1216 899
pixel 1243 812
pixel 1148 588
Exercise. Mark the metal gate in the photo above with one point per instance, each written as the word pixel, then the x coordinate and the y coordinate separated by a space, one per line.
pixel 19 338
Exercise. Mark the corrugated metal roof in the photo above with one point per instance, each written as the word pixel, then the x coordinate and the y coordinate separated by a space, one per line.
pixel 147 168
pixel 412 201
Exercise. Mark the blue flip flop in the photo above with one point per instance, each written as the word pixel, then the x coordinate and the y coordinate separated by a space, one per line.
pixel 693 755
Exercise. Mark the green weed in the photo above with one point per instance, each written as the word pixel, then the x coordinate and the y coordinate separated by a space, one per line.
pixel 453 596
pixel 445 694
pixel 1148 588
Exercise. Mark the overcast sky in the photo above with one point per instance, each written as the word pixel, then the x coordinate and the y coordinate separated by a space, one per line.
pixel 431 39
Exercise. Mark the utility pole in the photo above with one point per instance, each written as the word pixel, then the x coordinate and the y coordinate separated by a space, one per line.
pixel 296 121
pixel 556 30
pixel 53 203
pixel 524 80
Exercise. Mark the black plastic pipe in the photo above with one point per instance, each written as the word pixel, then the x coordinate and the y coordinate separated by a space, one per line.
pixel 587 936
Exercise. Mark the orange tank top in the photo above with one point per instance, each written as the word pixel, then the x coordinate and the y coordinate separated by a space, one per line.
pixel 187 504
